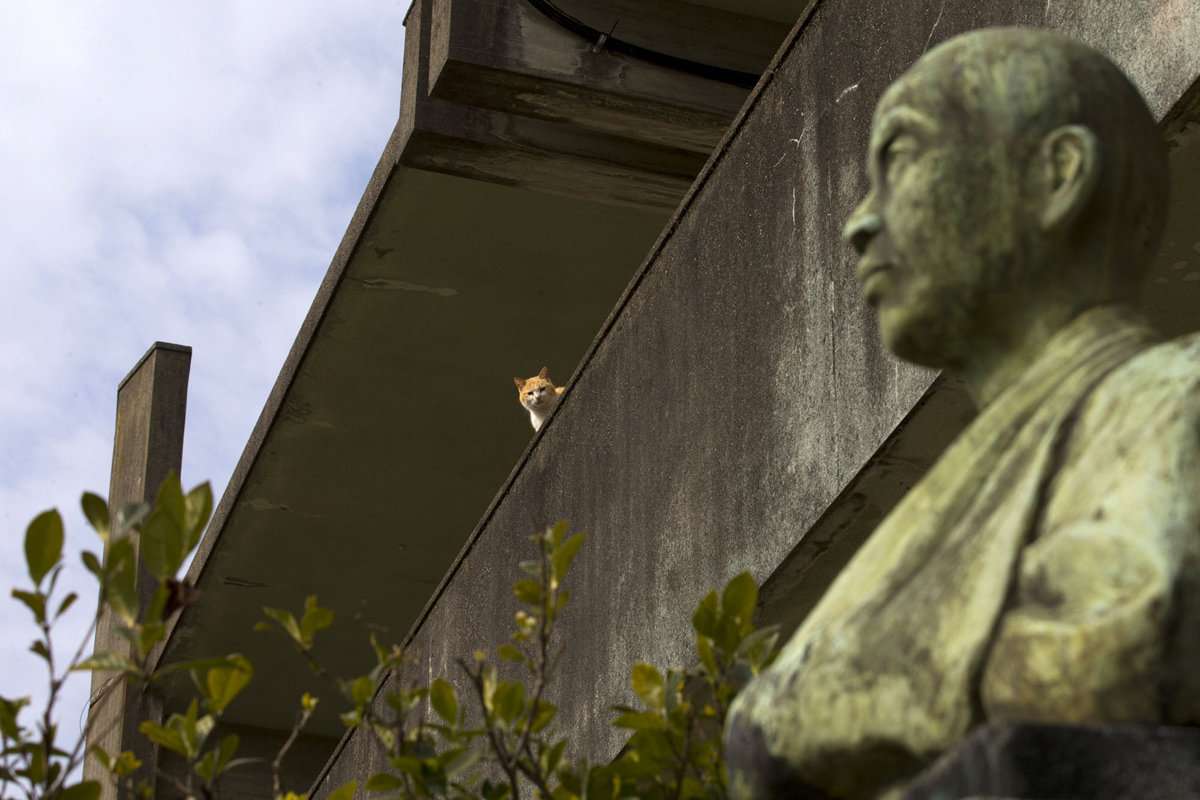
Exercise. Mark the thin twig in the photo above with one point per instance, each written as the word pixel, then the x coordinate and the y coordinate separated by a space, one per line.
pixel 277 765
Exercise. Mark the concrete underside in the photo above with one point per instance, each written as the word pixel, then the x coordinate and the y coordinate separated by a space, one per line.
pixel 737 411
pixel 401 420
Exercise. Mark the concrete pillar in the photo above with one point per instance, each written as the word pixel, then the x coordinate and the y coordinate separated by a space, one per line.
pixel 148 445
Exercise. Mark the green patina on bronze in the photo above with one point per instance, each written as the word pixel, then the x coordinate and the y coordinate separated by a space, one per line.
pixel 1047 568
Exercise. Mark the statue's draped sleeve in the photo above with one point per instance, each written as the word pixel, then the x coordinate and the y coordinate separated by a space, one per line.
pixel 1104 610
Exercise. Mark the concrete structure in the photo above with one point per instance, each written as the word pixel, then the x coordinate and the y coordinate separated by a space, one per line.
pixel 147 447
pixel 735 410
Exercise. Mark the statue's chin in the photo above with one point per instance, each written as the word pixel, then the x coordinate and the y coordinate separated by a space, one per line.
pixel 754 772
pixel 901 340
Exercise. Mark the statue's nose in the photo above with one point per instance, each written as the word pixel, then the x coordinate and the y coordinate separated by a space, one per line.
pixel 861 228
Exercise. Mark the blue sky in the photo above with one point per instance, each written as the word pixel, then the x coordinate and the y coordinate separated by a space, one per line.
pixel 179 172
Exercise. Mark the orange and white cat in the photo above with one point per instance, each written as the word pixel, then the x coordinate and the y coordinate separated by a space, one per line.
pixel 539 396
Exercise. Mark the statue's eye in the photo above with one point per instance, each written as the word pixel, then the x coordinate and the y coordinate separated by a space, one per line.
pixel 899 149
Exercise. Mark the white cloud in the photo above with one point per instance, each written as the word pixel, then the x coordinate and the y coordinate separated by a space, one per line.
pixel 168 171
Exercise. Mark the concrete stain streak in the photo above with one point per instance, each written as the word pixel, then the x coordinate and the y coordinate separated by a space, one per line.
pixel 929 38
pixel 387 283
pixel 845 92
pixel 785 153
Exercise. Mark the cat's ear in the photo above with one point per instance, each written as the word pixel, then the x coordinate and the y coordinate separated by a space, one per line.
pixel 520 383
pixel 544 373
pixel 559 390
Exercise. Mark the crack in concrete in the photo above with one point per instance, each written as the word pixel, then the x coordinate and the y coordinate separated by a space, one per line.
pixel 845 92
pixel 405 286
pixel 929 38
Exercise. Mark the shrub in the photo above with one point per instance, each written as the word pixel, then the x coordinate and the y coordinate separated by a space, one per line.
pixel 509 747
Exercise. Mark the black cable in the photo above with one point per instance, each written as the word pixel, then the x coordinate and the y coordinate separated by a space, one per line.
pixel 601 39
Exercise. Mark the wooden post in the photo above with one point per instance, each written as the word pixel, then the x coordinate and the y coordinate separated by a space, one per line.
pixel 147 446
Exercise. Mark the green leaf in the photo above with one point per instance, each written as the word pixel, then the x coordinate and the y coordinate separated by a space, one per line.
pixel 462 762
pixel 509 700
pixel 226 750
pixel 96 511
pixel 163 736
pixel 223 683
pixel 9 711
pixel 101 755
pixel 88 790
pixel 287 622
pixel 198 510
pixel 551 756
pixel 106 660
pixel 705 651
pixel 40 649
pixel 640 721
pixel 185 666
pixel 528 591
pixel 383 782
pixel 545 713
pixel 206 766
pixel 407 764
pixel 704 620
pixel 43 544
pixel 67 602
pixel 130 514
pixel 314 619
pixel 739 598
pixel 35 601
pixel 92 563
pixel 510 653
pixel 125 764
pixel 162 542
pixel 361 690
pixel 444 701
pixel 121 587
pixel 556 534
pixel 344 792
pixel 565 553
pixel 170 500
pixel 648 684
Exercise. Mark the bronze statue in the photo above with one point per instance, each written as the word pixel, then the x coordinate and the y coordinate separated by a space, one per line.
pixel 1047 568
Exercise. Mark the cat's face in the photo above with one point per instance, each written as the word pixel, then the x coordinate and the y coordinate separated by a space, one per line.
pixel 536 392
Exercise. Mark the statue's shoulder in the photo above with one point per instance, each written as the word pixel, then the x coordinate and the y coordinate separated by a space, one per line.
pixel 1172 366
pixel 1153 393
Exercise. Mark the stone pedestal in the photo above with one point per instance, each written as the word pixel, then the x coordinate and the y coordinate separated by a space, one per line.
pixel 1054 762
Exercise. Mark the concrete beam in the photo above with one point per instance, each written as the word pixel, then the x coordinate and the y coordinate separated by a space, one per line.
pixel 147 446
pixel 513 150
pixel 505 55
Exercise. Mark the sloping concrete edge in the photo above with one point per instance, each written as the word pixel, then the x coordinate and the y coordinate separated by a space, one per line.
pixel 342 257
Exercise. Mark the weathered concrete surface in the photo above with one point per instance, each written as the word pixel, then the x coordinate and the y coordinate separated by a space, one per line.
pixel 728 408
pixel 147 446
pixel 505 55
pixel 459 137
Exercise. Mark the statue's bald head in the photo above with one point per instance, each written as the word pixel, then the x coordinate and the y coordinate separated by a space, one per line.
pixel 1018 86
pixel 1017 178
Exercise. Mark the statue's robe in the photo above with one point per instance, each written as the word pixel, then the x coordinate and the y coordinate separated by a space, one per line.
pixel 1046 568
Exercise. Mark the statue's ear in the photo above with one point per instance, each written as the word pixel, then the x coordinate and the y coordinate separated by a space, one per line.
pixel 1071 159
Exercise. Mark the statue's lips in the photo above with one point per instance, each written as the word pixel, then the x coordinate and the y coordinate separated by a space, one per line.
pixel 871 277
